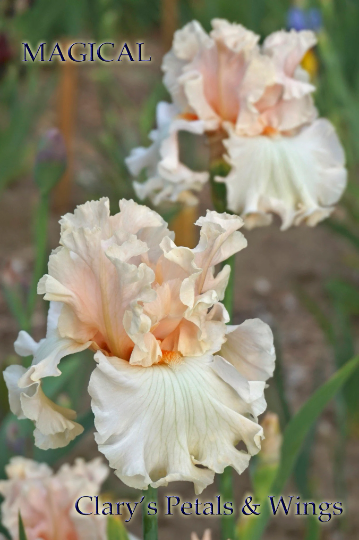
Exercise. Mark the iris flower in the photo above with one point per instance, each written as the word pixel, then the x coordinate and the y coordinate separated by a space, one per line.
pixel 174 386
pixel 257 99
pixel 46 499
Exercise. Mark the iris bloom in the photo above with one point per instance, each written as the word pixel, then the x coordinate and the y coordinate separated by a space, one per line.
pixel 46 500
pixel 258 99
pixel 174 386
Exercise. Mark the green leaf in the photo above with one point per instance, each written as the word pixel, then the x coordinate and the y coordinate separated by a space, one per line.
pixel 313 307
pixel 294 436
pixel 4 531
pixel 344 231
pixel 116 529
pixel 22 533
pixel 345 293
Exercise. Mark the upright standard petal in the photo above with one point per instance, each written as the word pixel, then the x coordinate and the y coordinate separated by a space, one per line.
pixel 287 50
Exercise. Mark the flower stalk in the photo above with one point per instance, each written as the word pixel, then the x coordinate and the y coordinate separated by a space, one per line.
pixel 150 523
pixel 219 167
pixel 40 235
pixel 49 168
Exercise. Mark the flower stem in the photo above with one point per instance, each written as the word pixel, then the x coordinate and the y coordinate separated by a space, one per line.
pixel 40 235
pixel 228 523
pixel 218 167
pixel 150 523
pixel 228 300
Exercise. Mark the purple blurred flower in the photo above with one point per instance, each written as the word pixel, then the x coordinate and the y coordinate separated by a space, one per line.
pixel 301 19
pixel 296 18
pixel 315 19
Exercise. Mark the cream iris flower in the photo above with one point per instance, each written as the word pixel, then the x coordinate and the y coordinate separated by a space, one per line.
pixel 168 178
pixel 257 100
pixel 46 500
pixel 174 386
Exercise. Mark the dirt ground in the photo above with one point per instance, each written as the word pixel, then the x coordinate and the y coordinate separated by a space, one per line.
pixel 267 272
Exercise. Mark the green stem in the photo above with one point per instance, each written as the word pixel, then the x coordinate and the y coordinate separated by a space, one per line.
pixel 40 235
pixel 219 198
pixel 279 384
pixel 150 523
pixel 228 300
pixel 228 523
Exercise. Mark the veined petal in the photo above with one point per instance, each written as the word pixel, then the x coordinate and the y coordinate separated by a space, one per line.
pixel 299 177
pixel 151 310
pixel 174 417
pixel 251 392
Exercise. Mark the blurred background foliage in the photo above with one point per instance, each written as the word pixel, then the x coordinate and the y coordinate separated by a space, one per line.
pixel 27 91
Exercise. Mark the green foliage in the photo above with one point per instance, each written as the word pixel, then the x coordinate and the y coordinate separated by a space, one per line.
pixel 20 108
pixel 294 437
pixel 22 533
pixel 116 529
pixel 261 16
pixel 50 163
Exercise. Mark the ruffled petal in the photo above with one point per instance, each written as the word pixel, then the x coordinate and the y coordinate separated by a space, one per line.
pixel 187 42
pixel 251 392
pixel 219 239
pixel 21 468
pixel 172 419
pixel 203 73
pixel 55 426
pixel 299 178
pixel 167 177
pixel 46 500
pixel 287 50
pixel 249 348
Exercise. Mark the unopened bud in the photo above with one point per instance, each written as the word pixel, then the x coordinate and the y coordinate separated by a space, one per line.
pixel 271 446
pixel 50 163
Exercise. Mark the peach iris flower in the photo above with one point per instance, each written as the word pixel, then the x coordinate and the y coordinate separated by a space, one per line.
pixel 46 499
pixel 258 99
pixel 174 386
